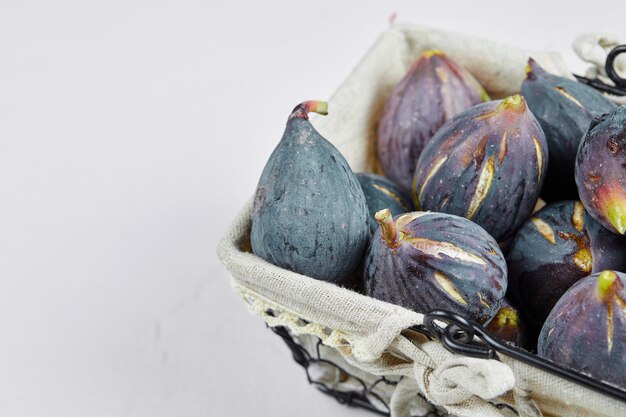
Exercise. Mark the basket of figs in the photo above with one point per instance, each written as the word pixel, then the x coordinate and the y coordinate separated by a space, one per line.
pixel 444 235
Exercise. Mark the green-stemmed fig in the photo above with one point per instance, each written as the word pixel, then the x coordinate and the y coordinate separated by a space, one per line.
pixel 564 108
pixel 310 213
pixel 486 164
pixel 382 193
pixel 601 170
pixel 554 249
pixel 424 261
pixel 586 330
pixel 507 325
pixel 435 89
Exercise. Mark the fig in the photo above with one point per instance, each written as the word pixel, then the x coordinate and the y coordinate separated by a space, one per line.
pixel 564 109
pixel 425 261
pixel 586 330
pixel 434 89
pixel 601 170
pixel 507 325
pixel 309 214
pixel 555 248
pixel 486 164
pixel 382 193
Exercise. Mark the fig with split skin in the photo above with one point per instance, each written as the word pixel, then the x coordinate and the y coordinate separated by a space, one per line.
pixel 309 215
pixel 554 249
pixel 435 89
pixel 507 325
pixel 425 261
pixel 486 164
pixel 586 330
pixel 601 170
pixel 382 193
pixel 564 109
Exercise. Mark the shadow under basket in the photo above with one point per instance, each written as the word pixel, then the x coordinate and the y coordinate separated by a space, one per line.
pixel 380 356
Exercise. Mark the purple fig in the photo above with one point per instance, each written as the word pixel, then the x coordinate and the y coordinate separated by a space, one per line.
pixel 601 170
pixel 382 193
pixel 564 109
pixel 586 330
pixel 310 215
pixel 507 325
pixel 554 249
pixel 435 89
pixel 486 164
pixel 425 261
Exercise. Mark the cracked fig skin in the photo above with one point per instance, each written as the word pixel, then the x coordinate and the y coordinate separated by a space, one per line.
pixel 309 214
pixel 586 330
pixel 487 164
pixel 425 261
pixel 381 193
pixel 554 249
pixel 564 109
pixel 434 89
pixel 601 170
pixel 507 325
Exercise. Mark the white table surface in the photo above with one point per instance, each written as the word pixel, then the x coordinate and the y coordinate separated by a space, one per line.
pixel 130 134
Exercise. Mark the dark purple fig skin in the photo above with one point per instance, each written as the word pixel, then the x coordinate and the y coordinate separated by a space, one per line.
pixel 601 170
pixel 486 164
pixel 586 330
pixel 564 109
pixel 382 193
pixel 310 214
pixel 554 249
pixel 435 89
pixel 505 245
pixel 507 325
pixel 438 261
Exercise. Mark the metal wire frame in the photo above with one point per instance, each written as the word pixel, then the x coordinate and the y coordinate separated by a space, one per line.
pixel 360 397
pixel 357 398
pixel 459 336
pixel 619 89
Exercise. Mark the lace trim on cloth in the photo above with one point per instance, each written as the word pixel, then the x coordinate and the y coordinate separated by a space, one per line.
pixel 464 386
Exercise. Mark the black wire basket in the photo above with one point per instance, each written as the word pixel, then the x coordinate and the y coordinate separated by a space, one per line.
pixel 454 332
pixel 459 336
pixel 337 335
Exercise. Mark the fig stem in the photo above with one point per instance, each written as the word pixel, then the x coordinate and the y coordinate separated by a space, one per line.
pixel 508 317
pixel 616 212
pixel 432 52
pixel 532 69
pixel 605 282
pixel 484 95
pixel 303 109
pixel 514 103
pixel 388 229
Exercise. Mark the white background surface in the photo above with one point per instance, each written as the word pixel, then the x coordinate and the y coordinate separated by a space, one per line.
pixel 130 134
